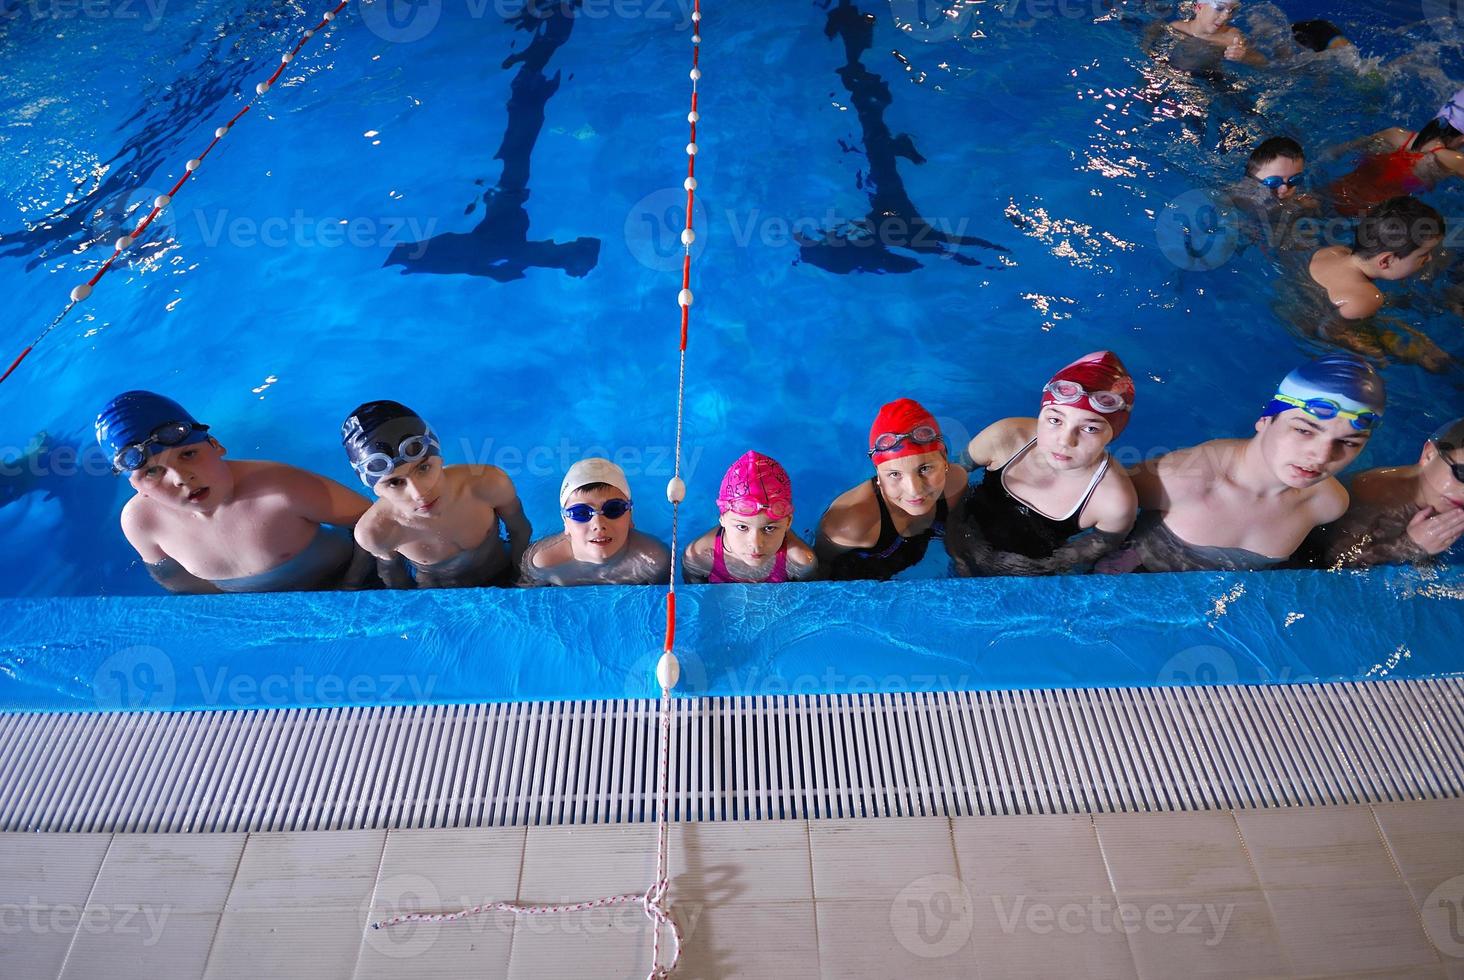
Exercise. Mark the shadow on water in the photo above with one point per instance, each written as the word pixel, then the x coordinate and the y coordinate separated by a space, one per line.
pixel 166 113
pixel 498 247
pixel 893 226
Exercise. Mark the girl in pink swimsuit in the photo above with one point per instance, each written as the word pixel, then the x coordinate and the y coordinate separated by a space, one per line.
pixel 752 541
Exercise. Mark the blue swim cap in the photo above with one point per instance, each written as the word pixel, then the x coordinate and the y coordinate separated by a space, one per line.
pixel 133 417
pixel 1346 379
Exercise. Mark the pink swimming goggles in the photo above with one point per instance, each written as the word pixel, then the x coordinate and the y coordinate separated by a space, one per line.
pixel 756 484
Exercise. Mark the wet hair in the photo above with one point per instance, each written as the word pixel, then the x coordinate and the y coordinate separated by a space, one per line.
pixel 1273 149
pixel 1437 129
pixel 1401 225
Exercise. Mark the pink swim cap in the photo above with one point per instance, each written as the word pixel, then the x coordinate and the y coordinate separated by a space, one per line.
pixel 756 483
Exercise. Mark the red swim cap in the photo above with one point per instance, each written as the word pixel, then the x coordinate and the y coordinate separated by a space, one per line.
pixel 1100 371
pixel 902 418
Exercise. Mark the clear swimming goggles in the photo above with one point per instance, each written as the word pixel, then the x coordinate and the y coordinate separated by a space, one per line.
pixel 921 435
pixel 743 507
pixel 1275 182
pixel 411 449
pixel 1070 393
pixel 613 509
pixel 1325 408
pixel 169 434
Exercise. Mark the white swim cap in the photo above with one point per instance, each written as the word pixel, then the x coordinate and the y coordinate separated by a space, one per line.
pixel 592 470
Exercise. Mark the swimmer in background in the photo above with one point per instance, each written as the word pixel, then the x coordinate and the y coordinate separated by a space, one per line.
pixel 1210 22
pixel 1403 162
pixel 1395 241
pixel 1056 463
pixel 1245 504
pixel 432 526
pixel 1319 36
pixel 1402 513
pixel 753 540
pixel 202 523
pixel 884 525
pixel 1271 192
pixel 599 544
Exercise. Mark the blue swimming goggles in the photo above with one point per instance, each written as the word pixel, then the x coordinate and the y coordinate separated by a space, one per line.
pixel 1275 183
pixel 613 509
pixel 169 434
pixel 1325 408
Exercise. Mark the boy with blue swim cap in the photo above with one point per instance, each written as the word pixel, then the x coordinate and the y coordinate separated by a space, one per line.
pixel 1402 514
pixel 202 523
pixel 442 521
pixel 1238 504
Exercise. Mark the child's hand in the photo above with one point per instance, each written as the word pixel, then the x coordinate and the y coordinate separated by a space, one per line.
pixel 1436 533
pixel 1236 50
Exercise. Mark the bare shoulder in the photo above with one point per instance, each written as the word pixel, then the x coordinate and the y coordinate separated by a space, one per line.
pixel 703 545
pixel 798 551
pixel 957 478
pixel 1329 501
pixel 486 482
pixel 1000 440
pixel 551 551
pixel 1374 488
pixel 852 520
pixel 1115 498
pixel 377 531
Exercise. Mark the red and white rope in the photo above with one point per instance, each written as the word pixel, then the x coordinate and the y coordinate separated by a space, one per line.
pixel 81 292
pixel 667 670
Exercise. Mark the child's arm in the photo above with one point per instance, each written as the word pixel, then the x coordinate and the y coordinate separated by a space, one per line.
pixel 175 578
pixel 696 560
pixel 492 485
pixel 323 500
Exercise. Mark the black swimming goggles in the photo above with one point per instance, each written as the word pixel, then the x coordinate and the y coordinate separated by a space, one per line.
pixel 921 435
pixel 1457 468
pixel 411 449
pixel 169 434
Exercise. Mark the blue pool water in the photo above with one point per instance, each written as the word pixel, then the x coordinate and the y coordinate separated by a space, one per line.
pixel 392 221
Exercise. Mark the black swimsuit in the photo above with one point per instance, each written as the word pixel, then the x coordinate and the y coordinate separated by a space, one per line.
pixel 1010 524
pixel 892 553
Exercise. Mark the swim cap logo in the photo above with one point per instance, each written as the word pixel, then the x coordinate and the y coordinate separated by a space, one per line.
pixel 933 916
pixel 133 679
pixel 401 21
pixel 1198 231
pixel 653 228
pixel 1443 916
pixel 933 21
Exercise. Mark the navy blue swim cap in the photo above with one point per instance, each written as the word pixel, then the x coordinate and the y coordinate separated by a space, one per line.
pixel 385 432
pixel 1346 379
pixel 132 418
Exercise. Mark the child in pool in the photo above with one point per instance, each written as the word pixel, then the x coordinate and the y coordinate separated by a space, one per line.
pixel 753 540
pixel 1210 22
pixel 883 526
pixel 1270 193
pixel 1394 241
pixel 1402 513
pixel 1242 504
pixel 1404 162
pixel 1056 463
pixel 599 545
pixel 432 526
pixel 203 523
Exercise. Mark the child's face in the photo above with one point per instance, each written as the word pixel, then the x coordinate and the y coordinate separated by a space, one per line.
pixel 1285 168
pixel 1213 17
pixel 915 484
pixel 1302 450
pixel 1393 268
pixel 1071 438
pixel 413 489
pixel 189 479
pixel 752 539
pixel 600 538
pixel 1443 491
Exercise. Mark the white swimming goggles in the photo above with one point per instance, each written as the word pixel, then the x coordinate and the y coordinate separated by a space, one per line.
pixel 411 449
pixel 1070 393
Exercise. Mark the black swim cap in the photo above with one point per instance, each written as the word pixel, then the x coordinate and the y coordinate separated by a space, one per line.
pixel 379 427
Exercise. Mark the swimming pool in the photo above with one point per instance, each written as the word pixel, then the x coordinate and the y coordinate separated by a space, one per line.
pixel 291 282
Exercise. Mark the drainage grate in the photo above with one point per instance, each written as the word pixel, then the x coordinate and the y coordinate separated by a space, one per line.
pixel 752 758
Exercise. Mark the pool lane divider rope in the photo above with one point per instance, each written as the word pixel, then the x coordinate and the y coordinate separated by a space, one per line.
pixel 668 669
pixel 80 293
